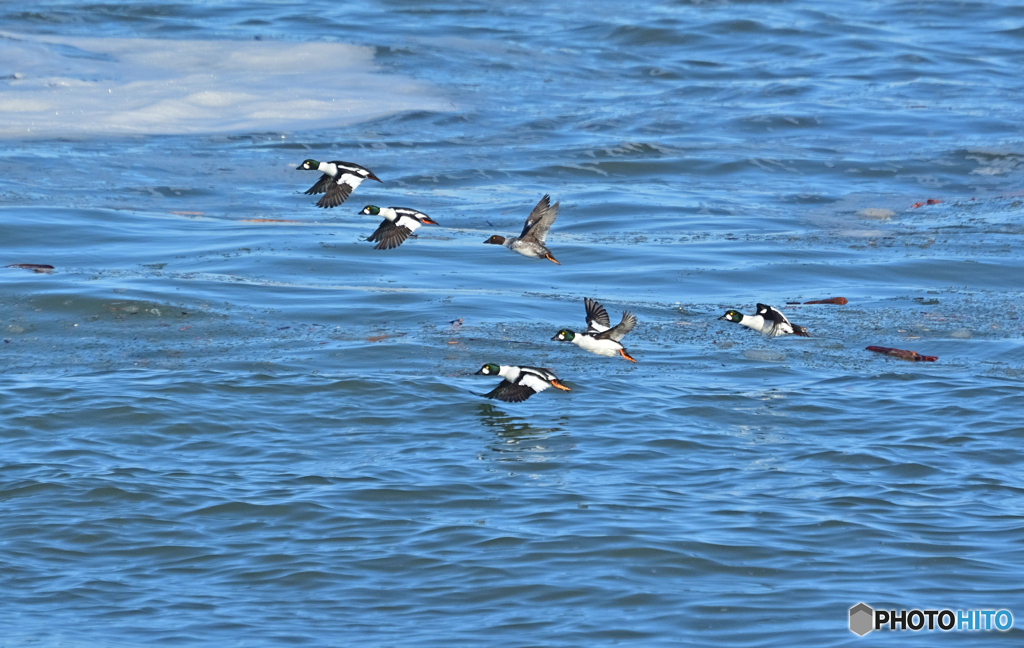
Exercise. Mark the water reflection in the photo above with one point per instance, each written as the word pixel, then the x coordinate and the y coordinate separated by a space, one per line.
pixel 515 435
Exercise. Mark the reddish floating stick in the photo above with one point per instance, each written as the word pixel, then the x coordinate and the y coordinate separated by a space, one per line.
pixel 831 300
pixel 35 267
pixel 900 353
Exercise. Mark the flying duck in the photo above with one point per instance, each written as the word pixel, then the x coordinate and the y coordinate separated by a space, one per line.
pixel 519 382
pixel 398 224
pixel 531 242
pixel 338 181
pixel 600 337
pixel 766 321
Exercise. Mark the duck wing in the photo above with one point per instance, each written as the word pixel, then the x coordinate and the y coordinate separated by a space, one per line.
pixel 388 235
pixel 336 193
pixel 539 221
pixel 620 329
pixel 511 392
pixel 775 319
pixel 322 185
pixel 411 213
pixel 597 316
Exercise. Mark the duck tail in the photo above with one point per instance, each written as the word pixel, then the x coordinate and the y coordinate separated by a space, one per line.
pixel 557 384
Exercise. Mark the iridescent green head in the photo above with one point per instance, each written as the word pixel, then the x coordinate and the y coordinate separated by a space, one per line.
pixel 732 316
pixel 308 165
pixel 565 335
pixel 489 370
pixel 371 210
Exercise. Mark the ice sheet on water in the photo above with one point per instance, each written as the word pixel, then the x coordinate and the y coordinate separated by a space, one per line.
pixel 56 86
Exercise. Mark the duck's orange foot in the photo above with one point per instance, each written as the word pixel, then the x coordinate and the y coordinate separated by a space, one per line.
pixel 626 355
pixel 551 259
pixel 557 385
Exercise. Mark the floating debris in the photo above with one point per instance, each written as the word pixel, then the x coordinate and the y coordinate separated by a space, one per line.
pixel 913 356
pixel 841 301
pixel 379 338
pixel 34 267
pixel 930 201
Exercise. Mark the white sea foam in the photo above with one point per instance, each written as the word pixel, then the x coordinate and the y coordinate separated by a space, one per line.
pixel 55 86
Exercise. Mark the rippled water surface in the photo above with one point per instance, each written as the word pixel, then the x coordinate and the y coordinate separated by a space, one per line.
pixel 227 420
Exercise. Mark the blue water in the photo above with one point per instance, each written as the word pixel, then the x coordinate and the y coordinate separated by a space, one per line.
pixel 218 429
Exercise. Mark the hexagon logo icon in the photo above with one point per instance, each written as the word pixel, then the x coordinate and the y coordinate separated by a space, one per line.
pixel 861 617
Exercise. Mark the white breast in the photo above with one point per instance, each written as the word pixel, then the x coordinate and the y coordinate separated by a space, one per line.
pixel 526 249
pixel 766 327
pixel 508 373
pixel 600 347
pixel 756 322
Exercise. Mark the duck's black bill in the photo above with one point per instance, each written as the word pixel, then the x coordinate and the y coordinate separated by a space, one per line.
pixel 555 337
pixel 300 168
pixel 481 372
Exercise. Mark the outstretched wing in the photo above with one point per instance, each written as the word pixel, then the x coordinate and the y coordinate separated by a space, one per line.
pixel 322 185
pixel 597 316
pixel 388 235
pixel 540 220
pixel 510 392
pixel 620 330
pixel 336 193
